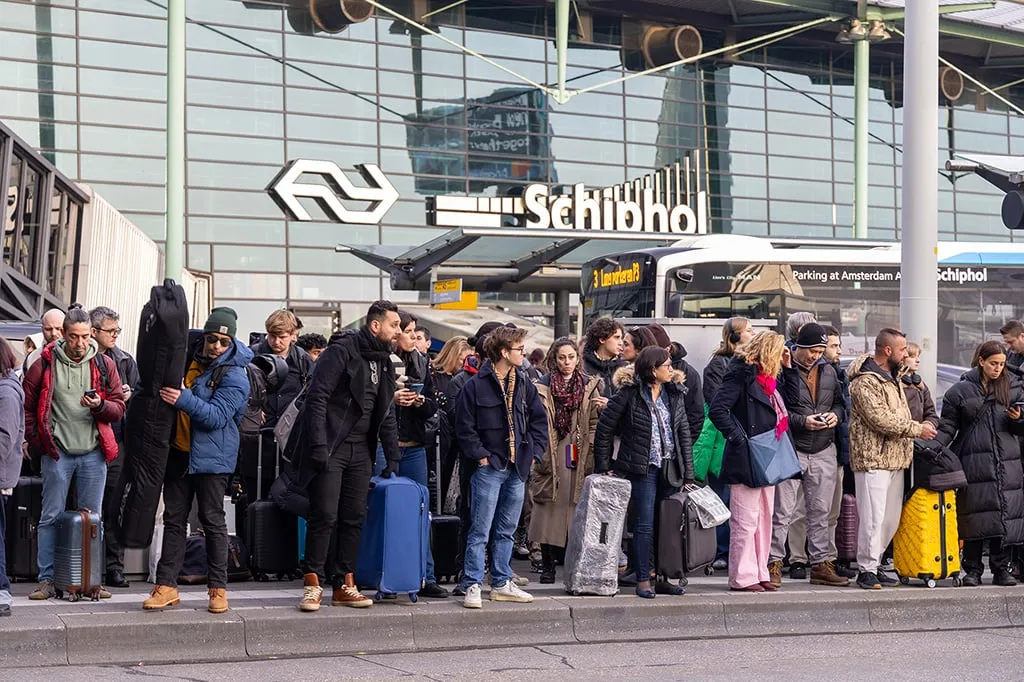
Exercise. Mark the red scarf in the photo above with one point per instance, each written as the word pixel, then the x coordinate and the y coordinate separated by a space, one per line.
pixel 567 396
pixel 770 386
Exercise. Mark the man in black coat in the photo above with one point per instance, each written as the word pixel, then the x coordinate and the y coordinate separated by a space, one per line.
pixel 349 406
pixel 281 326
pixel 814 400
pixel 106 329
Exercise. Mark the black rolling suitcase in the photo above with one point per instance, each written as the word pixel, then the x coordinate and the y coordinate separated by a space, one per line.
pixel 24 508
pixel 683 545
pixel 445 531
pixel 271 534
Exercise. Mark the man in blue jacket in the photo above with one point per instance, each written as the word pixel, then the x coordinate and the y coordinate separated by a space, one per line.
pixel 501 425
pixel 203 454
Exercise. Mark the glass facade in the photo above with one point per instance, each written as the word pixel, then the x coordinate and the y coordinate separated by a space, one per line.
pixel 85 82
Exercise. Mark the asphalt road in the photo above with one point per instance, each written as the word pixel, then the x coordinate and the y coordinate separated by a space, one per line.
pixel 974 655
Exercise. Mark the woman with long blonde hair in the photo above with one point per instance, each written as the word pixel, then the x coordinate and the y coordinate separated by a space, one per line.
pixel 749 404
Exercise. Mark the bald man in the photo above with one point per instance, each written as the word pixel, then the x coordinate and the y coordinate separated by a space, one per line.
pixel 53 328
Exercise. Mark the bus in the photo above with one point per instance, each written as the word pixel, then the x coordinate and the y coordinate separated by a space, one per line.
pixel 696 283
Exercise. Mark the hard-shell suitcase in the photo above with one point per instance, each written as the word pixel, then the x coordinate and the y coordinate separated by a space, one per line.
pixel 24 508
pixel 927 545
pixel 592 553
pixel 393 546
pixel 444 534
pixel 78 555
pixel 846 529
pixel 683 545
pixel 271 535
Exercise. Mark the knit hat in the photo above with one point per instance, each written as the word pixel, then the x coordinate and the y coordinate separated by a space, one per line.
pixel 811 335
pixel 222 321
pixel 661 336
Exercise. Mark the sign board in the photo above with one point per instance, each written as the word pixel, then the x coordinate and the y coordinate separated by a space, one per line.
pixel 470 301
pixel 285 189
pixel 446 291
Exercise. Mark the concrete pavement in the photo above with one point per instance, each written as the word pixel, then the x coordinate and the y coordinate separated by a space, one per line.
pixel 264 621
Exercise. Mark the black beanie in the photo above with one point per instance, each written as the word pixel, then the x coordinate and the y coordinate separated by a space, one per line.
pixel 811 335
pixel 222 321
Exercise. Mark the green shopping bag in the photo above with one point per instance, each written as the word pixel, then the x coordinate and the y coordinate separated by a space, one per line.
pixel 708 450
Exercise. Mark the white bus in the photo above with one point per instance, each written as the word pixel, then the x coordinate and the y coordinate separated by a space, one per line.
pixel 698 282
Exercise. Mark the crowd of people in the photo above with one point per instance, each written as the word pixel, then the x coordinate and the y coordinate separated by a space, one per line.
pixel 514 439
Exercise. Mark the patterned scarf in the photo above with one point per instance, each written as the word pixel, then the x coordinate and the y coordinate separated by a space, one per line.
pixel 510 391
pixel 770 387
pixel 567 395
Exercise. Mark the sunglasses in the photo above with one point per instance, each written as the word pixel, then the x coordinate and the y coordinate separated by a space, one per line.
pixel 212 340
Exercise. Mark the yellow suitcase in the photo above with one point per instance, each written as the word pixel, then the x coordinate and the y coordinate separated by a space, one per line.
pixel 927 546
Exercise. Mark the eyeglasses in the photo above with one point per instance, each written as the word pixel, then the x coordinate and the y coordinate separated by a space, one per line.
pixel 113 332
pixel 666 364
pixel 212 340
pixel 518 348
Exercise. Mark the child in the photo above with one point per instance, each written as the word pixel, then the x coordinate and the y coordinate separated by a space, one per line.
pixel 919 397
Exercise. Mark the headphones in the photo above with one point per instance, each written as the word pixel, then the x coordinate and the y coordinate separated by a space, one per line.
pixel 734 336
pixel 912 379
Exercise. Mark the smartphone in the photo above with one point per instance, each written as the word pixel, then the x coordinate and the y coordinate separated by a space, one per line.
pixel 91 393
pixel 821 419
pixel 1019 405
pixel 416 388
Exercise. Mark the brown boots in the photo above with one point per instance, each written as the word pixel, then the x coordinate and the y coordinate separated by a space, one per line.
pixel 825 574
pixel 163 596
pixel 218 600
pixel 311 593
pixel 348 595
pixel 775 573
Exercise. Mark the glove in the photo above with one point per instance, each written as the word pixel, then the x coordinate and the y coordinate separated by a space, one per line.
pixel 318 459
pixel 388 470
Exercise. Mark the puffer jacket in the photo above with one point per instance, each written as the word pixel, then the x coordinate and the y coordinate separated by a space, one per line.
pixel 987 442
pixel 544 478
pixel 882 431
pixel 796 393
pixel 215 412
pixel 604 370
pixel 919 399
pixel 628 417
pixel 714 372
pixel 694 397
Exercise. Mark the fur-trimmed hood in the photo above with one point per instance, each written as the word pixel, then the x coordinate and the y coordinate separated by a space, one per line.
pixel 626 376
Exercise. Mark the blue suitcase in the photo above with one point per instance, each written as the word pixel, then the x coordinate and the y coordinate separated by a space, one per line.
pixel 395 537
pixel 78 556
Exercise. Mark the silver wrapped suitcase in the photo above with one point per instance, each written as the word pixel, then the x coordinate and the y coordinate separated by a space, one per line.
pixel 592 556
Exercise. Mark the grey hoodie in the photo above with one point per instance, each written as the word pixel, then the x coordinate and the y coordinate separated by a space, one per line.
pixel 74 427
pixel 12 429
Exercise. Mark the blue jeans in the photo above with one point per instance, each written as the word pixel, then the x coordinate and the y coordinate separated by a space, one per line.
pixel 722 490
pixel 644 495
pixel 496 498
pixel 380 461
pixel 90 474
pixel 414 466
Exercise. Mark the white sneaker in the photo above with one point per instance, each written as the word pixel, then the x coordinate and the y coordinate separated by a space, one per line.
pixel 472 599
pixel 510 592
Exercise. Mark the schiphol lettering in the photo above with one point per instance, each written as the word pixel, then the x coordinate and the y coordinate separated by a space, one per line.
pixel 583 210
pixel 953 275
pixel 963 275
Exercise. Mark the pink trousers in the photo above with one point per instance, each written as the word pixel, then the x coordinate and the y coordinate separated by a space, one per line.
pixel 750 534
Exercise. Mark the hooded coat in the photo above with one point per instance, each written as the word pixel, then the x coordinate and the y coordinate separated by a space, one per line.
pixel 628 417
pixel 882 431
pixel 12 429
pixel 986 440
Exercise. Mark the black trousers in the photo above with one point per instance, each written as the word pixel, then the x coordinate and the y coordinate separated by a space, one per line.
pixel 337 506
pixel 208 490
pixel 999 556
pixel 113 551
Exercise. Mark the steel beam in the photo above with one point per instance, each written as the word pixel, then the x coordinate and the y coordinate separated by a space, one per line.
pixel 174 235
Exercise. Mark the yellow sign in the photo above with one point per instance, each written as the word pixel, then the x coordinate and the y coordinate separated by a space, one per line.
pixel 618 277
pixel 446 291
pixel 470 301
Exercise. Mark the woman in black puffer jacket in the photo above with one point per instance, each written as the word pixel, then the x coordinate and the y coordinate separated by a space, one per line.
pixel 982 425
pixel 648 416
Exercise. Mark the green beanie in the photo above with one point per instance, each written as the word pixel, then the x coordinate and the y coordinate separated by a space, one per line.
pixel 222 321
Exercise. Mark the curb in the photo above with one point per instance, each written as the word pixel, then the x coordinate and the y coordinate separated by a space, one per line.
pixel 245 633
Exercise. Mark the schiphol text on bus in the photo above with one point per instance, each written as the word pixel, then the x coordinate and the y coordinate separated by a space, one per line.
pixel 957 275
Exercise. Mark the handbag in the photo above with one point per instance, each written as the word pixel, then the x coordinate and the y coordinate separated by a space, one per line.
pixel 711 511
pixel 772 460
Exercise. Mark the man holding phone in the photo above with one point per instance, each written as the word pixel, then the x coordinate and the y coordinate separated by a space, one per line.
pixel 814 398
pixel 73 396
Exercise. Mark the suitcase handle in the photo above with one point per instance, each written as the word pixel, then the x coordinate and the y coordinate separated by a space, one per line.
pixel 604 533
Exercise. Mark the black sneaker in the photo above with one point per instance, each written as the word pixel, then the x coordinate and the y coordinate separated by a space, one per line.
pixel 434 591
pixel 844 570
pixel 457 591
pixel 868 581
pixel 885 580
pixel 971 580
pixel 798 571
pixel 1004 578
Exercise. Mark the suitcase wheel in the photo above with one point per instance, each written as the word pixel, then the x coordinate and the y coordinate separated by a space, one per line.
pixel 709 570
pixel 413 597
pixel 957 581
pixel 262 578
pixel 904 580
pixel 378 596
pixel 930 583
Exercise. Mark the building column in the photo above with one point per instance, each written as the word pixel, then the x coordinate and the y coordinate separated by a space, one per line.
pixel 562 313
pixel 861 91
pixel 919 288
pixel 174 236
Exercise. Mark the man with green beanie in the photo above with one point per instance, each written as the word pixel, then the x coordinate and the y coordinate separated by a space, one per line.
pixel 73 396
pixel 204 449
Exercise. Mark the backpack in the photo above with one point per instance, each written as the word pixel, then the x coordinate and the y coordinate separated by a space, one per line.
pixel 259 373
pixel 99 359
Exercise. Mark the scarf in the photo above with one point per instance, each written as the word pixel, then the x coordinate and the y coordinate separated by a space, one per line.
pixel 509 389
pixel 470 365
pixel 372 348
pixel 770 386
pixel 567 396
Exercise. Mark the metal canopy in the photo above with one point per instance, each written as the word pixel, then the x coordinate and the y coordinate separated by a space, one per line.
pixel 517 260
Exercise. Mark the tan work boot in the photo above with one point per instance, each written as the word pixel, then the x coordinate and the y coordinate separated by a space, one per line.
pixel 218 600
pixel 825 574
pixel 311 593
pixel 348 595
pixel 775 573
pixel 161 597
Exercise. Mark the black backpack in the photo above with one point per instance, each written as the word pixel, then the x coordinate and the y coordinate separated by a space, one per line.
pixel 263 374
